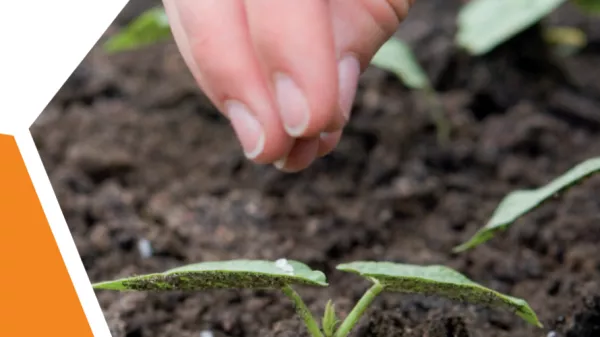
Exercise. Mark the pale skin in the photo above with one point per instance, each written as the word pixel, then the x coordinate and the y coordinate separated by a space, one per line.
pixel 284 72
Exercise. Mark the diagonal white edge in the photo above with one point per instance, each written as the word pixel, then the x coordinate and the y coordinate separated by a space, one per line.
pixel 62 235
pixel 42 44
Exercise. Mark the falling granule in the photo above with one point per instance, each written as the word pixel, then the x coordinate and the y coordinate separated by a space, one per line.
pixel 145 248
pixel 206 333
pixel 164 20
pixel 284 265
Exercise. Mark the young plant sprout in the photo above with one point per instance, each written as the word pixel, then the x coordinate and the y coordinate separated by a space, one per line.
pixel 518 203
pixel 283 274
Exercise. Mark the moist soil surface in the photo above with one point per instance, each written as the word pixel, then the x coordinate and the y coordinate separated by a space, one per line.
pixel 139 159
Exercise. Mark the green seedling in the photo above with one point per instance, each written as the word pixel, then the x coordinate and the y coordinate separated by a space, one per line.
pixel 283 274
pixel 485 24
pixel 330 320
pixel 397 57
pixel 518 203
pixel 151 27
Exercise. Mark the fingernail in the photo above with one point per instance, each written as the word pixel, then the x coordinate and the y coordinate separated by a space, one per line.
pixel 280 164
pixel 293 105
pixel 348 74
pixel 247 128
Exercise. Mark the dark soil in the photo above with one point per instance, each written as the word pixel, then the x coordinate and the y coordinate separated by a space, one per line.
pixel 137 155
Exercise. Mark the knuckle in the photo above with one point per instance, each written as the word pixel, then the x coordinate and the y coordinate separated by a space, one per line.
pixel 400 7
pixel 387 14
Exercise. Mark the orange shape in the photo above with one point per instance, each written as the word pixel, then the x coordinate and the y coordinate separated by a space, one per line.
pixel 37 297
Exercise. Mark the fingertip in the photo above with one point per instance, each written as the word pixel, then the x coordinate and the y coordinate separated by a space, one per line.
pixel 263 141
pixel 277 145
pixel 328 142
pixel 301 156
pixel 307 113
pixel 248 129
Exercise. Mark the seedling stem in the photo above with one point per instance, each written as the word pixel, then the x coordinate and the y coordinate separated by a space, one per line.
pixel 303 311
pixel 359 309
pixel 349 322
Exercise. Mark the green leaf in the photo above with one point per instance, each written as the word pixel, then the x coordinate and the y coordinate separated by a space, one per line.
pixel 234 274
pixel 330 320
pixel 589 6
pixel 150 27
pixel 438 280
pixel 397 57
pixel 485 24
pixel 517 203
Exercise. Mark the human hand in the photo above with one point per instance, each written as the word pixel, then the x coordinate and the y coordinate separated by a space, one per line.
pixel 283 72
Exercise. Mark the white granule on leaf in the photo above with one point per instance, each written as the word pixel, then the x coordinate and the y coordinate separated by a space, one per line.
pixel 284 265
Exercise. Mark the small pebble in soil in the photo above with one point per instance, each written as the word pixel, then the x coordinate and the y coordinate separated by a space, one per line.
pixel 552 334
pixel 284 265
pixel 206 333
pixel 145 248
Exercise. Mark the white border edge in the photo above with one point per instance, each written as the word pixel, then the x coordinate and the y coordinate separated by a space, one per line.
pixel 62 235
